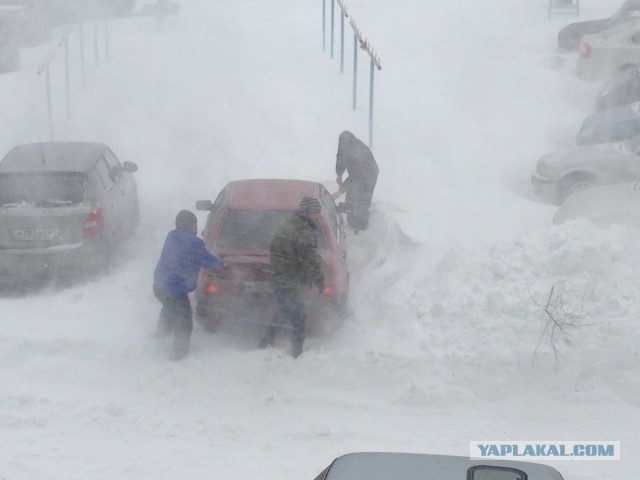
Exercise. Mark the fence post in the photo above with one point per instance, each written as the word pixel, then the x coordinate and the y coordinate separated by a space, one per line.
pixel 49 103
pixel 342 15
pixel 82 66
pixel 67 75
pixel 371 75
pixel 96 48
pixel 106 40
pixel 324 24
pixel 355 67
pixel 333 8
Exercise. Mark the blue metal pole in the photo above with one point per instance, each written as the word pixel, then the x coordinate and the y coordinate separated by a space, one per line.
pixel 355 68
pixel 371 105
pixel 82 66
pixel 324 23
pixel 341 41
pixel 333 9
pixel 96 48
pixel 49 107
pixel 67 75
pixel 106 40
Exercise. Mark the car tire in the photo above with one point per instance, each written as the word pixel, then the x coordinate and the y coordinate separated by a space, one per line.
pixel 135 217
pixel 573 183
pixel 206 320
pixel 343 307
pixel 626 66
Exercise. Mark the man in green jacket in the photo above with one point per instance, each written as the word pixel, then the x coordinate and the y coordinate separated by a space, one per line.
pixel 294 268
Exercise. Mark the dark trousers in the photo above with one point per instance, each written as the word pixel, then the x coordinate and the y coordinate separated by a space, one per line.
pixel 175 317
pixel 290 308
pixel 359 195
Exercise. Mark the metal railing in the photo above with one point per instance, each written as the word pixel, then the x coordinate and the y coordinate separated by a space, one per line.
pixel 360 42
pixel 63 41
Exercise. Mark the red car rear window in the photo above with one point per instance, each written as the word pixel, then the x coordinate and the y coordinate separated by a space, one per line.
pixel 254 229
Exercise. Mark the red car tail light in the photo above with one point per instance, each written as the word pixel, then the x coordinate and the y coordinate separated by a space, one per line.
pixel 217 284
pixel 94 223
pixel 329 290
pixel 585 51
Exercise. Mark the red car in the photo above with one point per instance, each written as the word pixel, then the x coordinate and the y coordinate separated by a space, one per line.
pixel 239 229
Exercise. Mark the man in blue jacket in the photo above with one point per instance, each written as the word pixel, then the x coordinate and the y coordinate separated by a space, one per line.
pixel 182 257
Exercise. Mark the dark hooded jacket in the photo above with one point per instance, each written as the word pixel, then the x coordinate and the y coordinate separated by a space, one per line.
pixel 356 158
pixel 294 258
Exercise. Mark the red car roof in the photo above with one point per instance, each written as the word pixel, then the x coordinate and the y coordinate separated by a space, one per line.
pixel 270 194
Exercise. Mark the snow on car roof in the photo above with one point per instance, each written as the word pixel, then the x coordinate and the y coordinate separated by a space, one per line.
pixel 52 156
pixel 271 194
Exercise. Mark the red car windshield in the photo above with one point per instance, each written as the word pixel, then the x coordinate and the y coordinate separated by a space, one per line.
pixel 254 229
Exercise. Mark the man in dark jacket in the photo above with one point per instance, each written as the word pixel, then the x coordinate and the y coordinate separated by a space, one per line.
pixel 294 268
pixel 356 158
pixel 182 257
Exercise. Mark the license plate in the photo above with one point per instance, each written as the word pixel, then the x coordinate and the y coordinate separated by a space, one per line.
pixel 34 233
pixel 255 288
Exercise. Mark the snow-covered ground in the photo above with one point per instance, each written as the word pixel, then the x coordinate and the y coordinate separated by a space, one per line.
pixel 446 341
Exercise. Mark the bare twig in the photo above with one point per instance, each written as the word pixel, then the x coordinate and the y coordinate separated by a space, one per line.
pixel 558 321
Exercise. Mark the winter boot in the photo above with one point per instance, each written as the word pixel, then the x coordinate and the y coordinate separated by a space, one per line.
pixel 180 346
pixel 267 339
pixel 296 350
pixel 164 327
pixel 270 334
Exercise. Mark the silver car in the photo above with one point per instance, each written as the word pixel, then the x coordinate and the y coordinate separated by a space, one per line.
pixel 603 206
pixel 416 466
pixel 569 36
pixel 560 173
pixel 602 53
pixel 64 208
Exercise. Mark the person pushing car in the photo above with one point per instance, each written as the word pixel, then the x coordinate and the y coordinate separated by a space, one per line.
pixel 294 268
pixel 176 275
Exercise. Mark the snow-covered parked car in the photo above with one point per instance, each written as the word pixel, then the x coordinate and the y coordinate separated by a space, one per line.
pixel 620 88
pixel 610 125
pixel 603 52
pixel 562 172
pixel 604 205
pixel 417 466
pixel 64 207
pixel 569 37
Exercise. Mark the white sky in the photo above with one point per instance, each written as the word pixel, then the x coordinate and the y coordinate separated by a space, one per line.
pixel 444 343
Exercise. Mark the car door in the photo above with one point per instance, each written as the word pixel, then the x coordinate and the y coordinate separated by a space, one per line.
pixel 124 194
pixel 215 217
pixel 108 201
pixel 338 239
